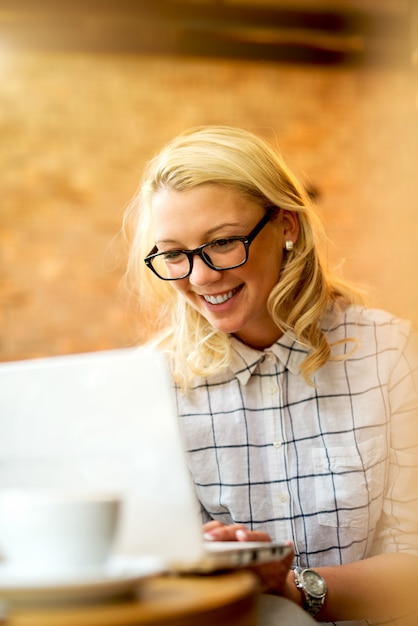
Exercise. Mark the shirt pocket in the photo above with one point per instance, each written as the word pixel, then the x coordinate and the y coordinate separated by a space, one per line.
pixel 349 483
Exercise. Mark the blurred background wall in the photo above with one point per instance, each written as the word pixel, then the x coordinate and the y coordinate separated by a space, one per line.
pixel 89 92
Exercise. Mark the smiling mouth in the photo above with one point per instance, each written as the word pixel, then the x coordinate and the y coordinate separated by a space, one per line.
pixel 221 298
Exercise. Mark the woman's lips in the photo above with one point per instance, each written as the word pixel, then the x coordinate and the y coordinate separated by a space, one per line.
pixel 221 298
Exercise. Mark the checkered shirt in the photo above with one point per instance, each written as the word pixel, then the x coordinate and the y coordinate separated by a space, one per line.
pixel 334 466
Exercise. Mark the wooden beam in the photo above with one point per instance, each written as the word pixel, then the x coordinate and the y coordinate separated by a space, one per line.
pixel 279 33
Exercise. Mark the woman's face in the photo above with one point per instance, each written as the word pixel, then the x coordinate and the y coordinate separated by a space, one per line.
pixel 233 301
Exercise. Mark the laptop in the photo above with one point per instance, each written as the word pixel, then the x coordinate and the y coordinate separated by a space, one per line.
pixel 107 421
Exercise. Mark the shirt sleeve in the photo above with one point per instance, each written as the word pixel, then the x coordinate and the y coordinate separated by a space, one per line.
pixel 398 531
pixel 204 514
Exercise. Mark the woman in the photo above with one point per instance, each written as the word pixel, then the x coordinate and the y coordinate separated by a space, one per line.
pixel 298 405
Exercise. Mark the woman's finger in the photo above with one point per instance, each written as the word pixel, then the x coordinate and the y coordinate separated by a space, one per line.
pixel 214 531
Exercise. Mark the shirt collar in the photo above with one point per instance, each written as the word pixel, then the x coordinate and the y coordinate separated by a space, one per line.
pixel 245 359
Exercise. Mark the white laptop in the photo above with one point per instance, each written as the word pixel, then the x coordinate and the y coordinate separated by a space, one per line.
pixel 107 421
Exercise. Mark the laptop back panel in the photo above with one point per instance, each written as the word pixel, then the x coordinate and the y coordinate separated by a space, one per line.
pixel 103 421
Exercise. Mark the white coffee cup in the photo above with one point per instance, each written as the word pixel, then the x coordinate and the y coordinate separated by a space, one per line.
pixel 49 533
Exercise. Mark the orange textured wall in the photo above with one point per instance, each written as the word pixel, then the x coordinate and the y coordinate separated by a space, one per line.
pixel 76 130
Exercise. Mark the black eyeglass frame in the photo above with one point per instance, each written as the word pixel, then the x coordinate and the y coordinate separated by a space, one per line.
pixel 246 240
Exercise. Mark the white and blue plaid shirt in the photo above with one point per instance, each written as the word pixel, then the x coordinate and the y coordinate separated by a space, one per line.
pixel 333 467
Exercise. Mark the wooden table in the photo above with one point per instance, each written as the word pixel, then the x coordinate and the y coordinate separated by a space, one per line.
pixel 225 599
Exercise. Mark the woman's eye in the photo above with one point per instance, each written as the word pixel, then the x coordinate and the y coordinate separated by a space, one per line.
pixel 173 256
pixel 223 245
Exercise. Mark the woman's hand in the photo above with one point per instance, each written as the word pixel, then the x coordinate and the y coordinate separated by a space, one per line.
pixel 215 531
pixel 272 575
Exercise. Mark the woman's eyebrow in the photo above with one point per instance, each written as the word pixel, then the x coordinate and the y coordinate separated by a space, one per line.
pixel 212 231
pixel 209 234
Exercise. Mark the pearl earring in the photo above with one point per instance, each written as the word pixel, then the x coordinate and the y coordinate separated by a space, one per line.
pixel 289 245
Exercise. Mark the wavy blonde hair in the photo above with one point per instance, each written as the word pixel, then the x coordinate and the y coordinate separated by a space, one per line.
pixel 221 155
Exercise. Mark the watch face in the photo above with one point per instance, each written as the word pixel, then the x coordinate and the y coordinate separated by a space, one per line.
pixel 314 583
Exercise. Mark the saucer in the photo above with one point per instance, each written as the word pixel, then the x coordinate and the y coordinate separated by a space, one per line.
pixel 122 576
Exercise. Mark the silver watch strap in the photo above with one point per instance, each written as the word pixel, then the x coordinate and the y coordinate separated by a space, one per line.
pixel 311 603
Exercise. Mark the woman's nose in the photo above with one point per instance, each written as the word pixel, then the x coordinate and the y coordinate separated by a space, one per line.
pixel 202 274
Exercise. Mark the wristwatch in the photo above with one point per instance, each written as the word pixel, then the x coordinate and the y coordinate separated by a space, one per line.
pixel 314 588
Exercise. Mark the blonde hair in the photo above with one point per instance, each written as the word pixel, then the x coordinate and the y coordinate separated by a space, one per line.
pixel 222 155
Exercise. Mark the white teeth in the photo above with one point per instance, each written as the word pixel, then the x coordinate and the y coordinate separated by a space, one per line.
pixel 219 299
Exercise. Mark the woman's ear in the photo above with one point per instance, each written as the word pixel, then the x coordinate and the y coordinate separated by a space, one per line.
pixel 290 222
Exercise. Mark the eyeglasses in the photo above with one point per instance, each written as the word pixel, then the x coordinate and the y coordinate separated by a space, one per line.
pixel 221 254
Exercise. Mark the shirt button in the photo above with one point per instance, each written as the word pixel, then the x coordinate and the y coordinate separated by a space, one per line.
pixel 272 389
pixel 283 497
pixel 277 444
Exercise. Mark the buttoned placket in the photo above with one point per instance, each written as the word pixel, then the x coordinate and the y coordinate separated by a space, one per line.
pixel 277 452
